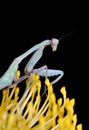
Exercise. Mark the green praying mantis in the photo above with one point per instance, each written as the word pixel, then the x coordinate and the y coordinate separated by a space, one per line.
pixel 10 75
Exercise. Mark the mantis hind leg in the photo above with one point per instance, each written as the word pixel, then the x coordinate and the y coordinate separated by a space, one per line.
pixel 35 71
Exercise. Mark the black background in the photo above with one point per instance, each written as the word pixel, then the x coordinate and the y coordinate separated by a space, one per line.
pixel 23 27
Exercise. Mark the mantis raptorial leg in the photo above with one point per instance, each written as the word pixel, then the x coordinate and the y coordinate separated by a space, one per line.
pixel 33 60
pixel 38 54
pixel 9 76
pixel 44 72
pixel 49 73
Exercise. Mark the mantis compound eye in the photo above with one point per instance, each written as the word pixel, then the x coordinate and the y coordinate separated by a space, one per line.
pixel 54 43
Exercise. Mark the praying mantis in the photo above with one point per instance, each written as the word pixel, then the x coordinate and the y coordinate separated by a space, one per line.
pixel 10 75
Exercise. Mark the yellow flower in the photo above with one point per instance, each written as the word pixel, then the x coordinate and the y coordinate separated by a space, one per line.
pixel 33 112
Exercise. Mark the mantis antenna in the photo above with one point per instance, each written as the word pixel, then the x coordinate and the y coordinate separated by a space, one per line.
pixel 66 35
pixel 9 76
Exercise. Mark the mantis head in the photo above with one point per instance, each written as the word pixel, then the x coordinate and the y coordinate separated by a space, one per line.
pixel 54 44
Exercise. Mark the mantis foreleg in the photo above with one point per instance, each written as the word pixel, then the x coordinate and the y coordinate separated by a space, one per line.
pixel 49 72
pixel 9 75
